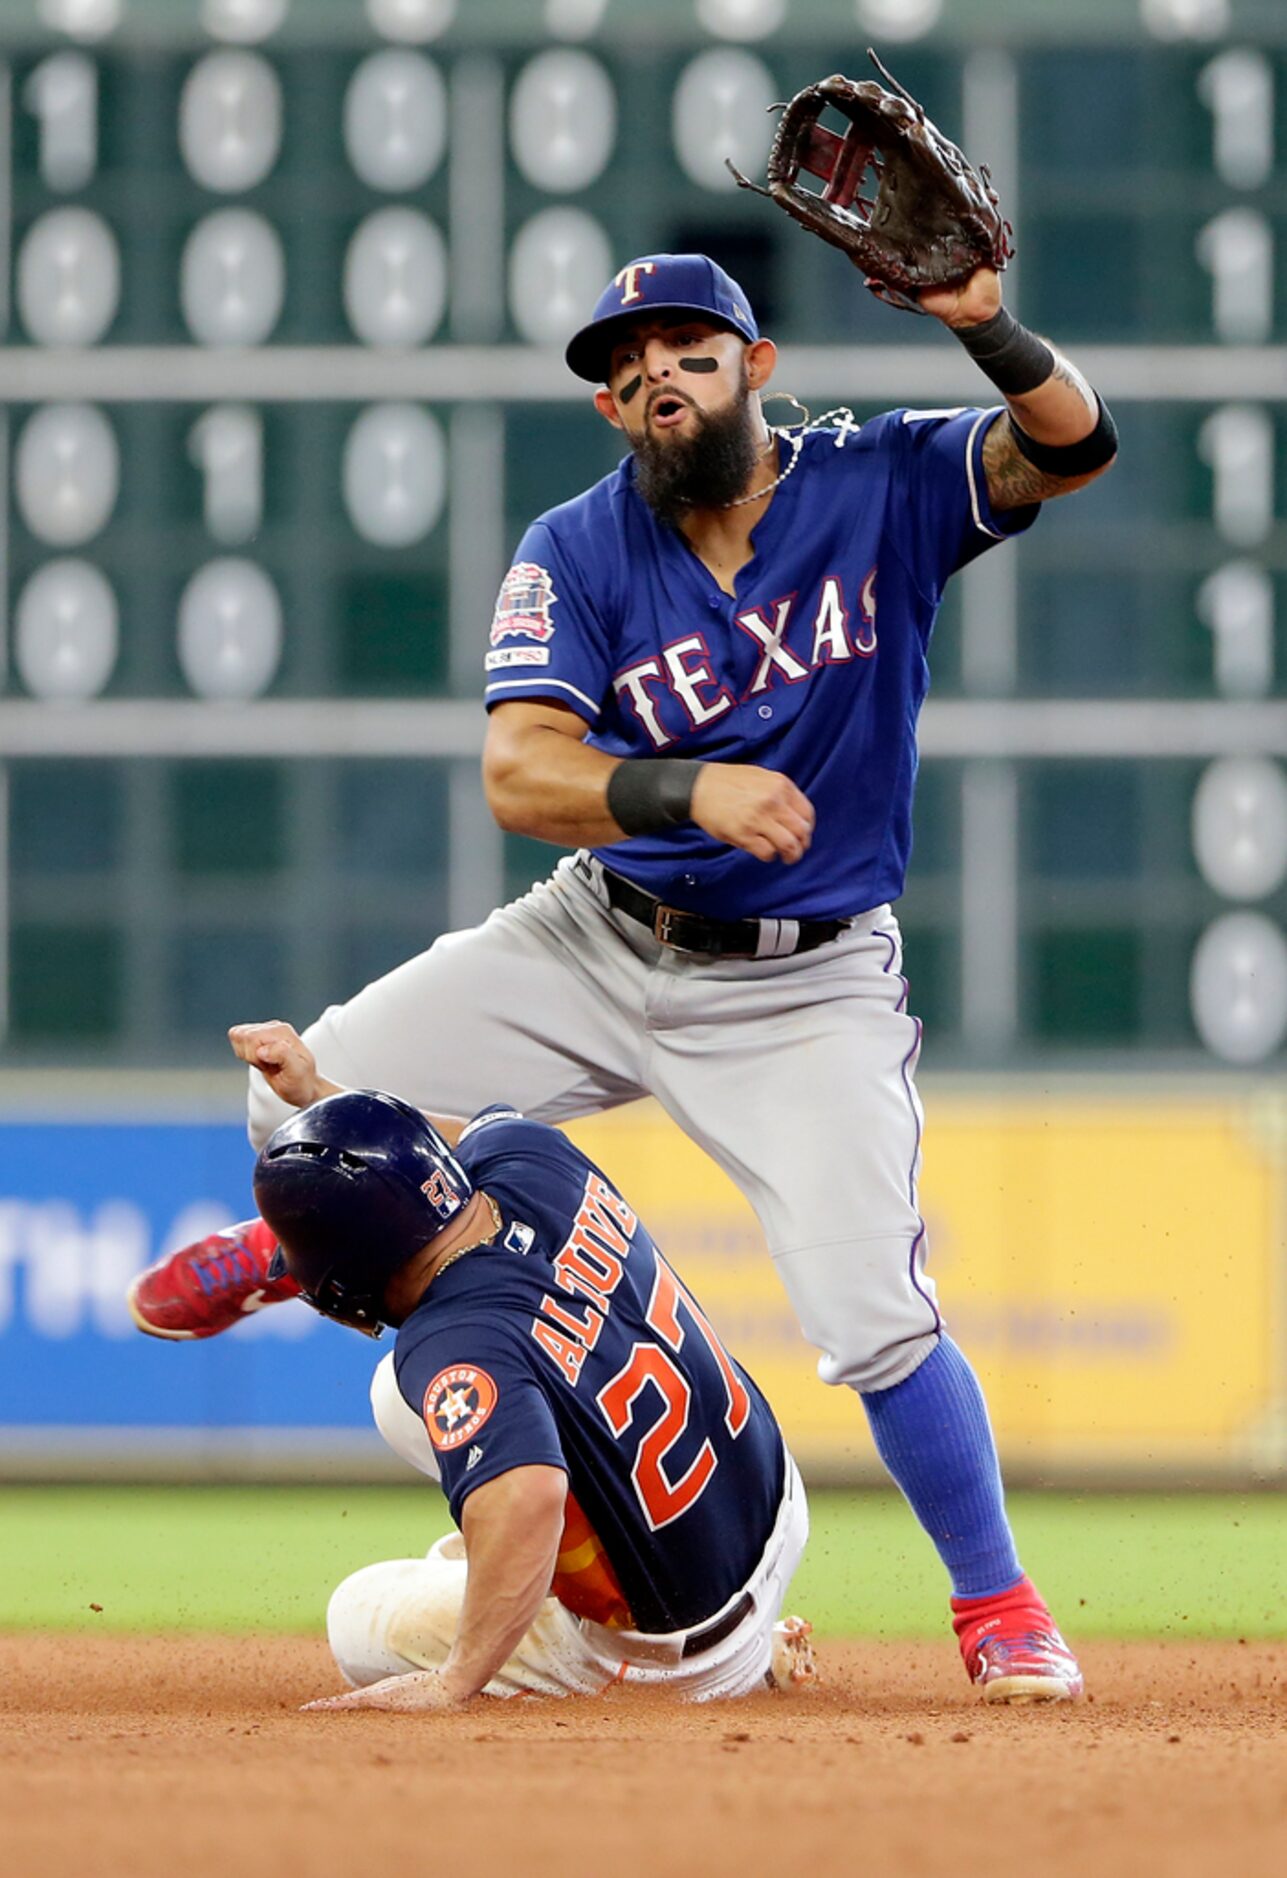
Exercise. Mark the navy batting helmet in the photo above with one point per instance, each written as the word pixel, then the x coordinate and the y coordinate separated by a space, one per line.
pixel 353 1187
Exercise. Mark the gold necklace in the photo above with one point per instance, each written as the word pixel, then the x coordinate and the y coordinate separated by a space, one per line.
pixel 460 1250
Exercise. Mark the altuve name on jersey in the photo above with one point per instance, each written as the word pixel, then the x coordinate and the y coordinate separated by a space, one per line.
pixel 589 1265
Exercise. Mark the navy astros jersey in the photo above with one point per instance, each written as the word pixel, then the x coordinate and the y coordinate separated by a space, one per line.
pixel 816 669
pixel 570 1343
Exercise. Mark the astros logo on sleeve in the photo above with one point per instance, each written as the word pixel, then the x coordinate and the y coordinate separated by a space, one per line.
pixel 457 1403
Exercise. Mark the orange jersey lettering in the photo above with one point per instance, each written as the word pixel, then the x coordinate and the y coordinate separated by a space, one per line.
pixel 568 1352
pixel 591 1264
pixel 586 1331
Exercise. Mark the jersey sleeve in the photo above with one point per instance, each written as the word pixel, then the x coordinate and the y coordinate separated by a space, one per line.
pixel 499 1148
pixel 944 518
pixel 481 1404
pixel 488 1117
pixel 547 637
pixel 527 1166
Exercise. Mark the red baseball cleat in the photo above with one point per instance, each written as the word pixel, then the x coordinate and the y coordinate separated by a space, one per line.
pixel 210 1286
pixel 1012 1649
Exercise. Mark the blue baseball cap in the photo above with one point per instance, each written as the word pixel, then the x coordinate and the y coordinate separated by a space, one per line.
pixel 658 283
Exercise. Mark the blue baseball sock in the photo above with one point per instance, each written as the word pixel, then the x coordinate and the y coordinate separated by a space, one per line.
pixel 933 1434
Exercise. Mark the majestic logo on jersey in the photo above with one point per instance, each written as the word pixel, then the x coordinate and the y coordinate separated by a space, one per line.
pixel 628 280
pixel 523 604
pixel 457 1403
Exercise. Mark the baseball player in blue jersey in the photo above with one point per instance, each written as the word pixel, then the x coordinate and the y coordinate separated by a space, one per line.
pixel 704 674
pixel 629 1510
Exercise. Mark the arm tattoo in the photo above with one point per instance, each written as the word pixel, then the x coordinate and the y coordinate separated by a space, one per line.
pixel 1013 482
pixel 1067 374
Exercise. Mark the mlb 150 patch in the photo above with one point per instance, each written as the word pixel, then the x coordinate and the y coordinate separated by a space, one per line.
pixel 516 655
pixel 457 1403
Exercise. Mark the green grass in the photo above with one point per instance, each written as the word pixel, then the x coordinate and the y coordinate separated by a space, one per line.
pixel 266 1558
pixel 1167 1566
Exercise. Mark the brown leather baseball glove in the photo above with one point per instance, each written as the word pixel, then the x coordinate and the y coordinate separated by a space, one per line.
pixel 933 220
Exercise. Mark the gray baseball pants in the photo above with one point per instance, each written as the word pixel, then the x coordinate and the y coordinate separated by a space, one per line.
pixel 794 1074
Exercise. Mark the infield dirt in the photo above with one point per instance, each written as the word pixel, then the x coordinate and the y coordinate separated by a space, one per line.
pixel 188 1757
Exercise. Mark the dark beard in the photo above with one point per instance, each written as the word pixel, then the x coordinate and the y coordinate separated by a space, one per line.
pixel 708 470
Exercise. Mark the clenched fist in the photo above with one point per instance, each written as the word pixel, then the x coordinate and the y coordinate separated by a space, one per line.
pixel 285 1061
pixel 754 809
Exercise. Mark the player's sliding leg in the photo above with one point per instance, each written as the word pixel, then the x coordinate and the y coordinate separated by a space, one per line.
pixel 400 1427
pixel 831 1169
pixel 209 1286
pixel 402 1615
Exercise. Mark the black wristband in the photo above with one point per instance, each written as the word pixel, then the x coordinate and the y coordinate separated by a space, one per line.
pixel 1071 459
pixel 1013 358
pixel 647 794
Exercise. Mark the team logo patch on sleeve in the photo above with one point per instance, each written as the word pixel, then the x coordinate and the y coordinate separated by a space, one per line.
pixel 457 1403
pixel 523 604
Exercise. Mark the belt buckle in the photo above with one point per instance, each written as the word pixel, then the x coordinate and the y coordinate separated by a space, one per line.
pixel 664 919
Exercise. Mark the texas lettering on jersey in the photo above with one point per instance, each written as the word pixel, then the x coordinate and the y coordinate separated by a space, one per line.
pixel 683 667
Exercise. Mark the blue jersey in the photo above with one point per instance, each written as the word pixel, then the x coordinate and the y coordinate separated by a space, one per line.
pixel 570 1343
pixel 817 668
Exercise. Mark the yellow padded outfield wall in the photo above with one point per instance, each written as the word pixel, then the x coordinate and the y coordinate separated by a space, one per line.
pixel 1115 1265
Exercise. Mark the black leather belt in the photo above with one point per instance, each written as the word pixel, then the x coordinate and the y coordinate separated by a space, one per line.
pixel 725 938
pixel 710 1634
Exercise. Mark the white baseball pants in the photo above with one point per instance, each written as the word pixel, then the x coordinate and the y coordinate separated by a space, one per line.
pixel 794 1074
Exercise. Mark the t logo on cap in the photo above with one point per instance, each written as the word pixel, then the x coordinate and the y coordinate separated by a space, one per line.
pixel 628 280
pixel 684 286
